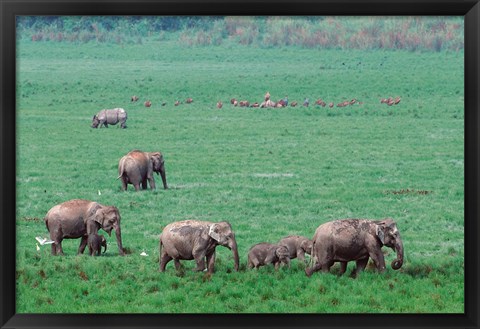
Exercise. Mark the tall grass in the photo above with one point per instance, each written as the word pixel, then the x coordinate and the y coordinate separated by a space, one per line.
pixel 322 32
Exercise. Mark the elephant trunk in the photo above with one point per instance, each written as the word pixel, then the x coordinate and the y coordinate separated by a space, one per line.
pixel 118 235
pixel 397 263
pixel 235 255
pixel 164 177
pixel 105 248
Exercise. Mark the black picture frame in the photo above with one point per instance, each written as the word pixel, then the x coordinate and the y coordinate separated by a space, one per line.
pixel 9 9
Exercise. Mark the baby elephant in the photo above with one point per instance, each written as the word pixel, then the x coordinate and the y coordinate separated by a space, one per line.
pixel 267 253
pixel 297 246
pixel 95 244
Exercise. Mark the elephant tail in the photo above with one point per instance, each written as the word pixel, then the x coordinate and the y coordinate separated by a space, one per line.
pixel 311 262
pixel 160 245
pixel 46 223
pixel 121 168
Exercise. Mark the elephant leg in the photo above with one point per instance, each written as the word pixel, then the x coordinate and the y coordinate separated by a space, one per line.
pixel 151 182
pixel 301 255
pixel 324 266
pixel 256 264
pixel 124 183
pixel 377 257
pixel 137 186
pixel 57 248
pixel 211 263
pixel 343 268
pixel 286 261
pixel 361 264
pixel 199 255
pixel 178 265
pixel 60 249
pixel 164 259
pixel 83 244
pixel 144 184
pixel 313 269
pixel 200 264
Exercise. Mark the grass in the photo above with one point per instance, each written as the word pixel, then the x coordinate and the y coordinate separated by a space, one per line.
pixel 270 173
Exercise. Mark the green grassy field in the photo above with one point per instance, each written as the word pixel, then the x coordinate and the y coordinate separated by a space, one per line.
pixel 269 172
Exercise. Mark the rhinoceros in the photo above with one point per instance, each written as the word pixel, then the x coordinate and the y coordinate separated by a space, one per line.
pixel 110 117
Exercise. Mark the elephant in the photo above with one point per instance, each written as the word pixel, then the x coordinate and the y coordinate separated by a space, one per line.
pixel 137 167
pixel 297 246
pixel 95 243
pixel 268 253
pixel 80 218
pixel 194 239
pixel 110 117
pixel 356 240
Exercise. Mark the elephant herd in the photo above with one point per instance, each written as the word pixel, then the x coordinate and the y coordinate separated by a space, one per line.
pixel 83 219
pixel 340 241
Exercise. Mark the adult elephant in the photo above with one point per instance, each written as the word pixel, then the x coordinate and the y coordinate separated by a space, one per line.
pixel 80 218
pixel 356 240
pixel 193 239
pixel 137 167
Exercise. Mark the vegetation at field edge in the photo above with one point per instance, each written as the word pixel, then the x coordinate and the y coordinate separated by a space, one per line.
pixel 317 32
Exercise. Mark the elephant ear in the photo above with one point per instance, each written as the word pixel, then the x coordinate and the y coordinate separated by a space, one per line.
pixel 213 233
pixel 306 245
pixel 380 231
pixel 156 161
pixel 157 155
pixel 277 251
pixel 94 214
pixel 281 251
pixel 99 216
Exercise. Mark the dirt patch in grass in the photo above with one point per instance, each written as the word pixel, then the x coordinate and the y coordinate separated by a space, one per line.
pixel 408 191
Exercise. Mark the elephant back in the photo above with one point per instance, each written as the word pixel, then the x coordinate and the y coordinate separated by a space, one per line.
pixel 140 158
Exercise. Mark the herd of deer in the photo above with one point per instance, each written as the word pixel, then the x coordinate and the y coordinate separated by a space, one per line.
pixel 268 103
